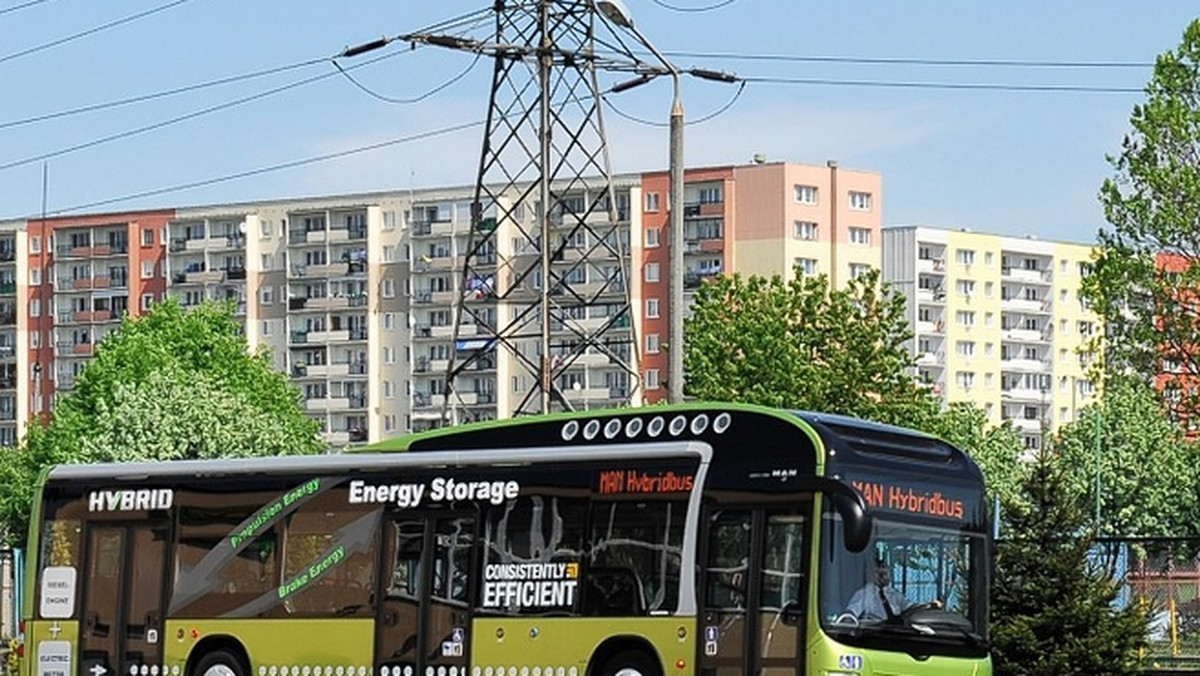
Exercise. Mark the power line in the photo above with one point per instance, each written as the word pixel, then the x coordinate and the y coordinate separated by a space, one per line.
pixel 271 168
pixel 709 8
pixel 416 99
pixel 23 5
pixel 700 120
pixel 182 118
pixel 944 85
pixel 1005 63
pixel 158 95
pixel 91 31
pixel 210 83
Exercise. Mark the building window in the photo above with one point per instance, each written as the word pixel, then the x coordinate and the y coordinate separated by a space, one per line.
pixel 147 301
pixel 264 229
pixel 266 327
pixel 389 288
pixel 806 230
pixel 965 256
pixel 805 267
pixel 652 201
pixel 653 237
pixel 652 343
pixel 652 379
pixel 147 269
pixel 965 287
pixel 860 201
pixel 652 308
pixel 389 221
pixel 389 253
pixel 35 307
pixel 965 318
pixel 652 273
pixel 711 195
pixel 806 194
pixel 860 236
pixel 35 276
pixel 858 270
pixel 965 348
pixel 35 244
pixel 389 321
pixel 965 379
pixel 147 237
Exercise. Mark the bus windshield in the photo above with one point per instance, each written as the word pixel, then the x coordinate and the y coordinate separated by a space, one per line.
pixel 913 581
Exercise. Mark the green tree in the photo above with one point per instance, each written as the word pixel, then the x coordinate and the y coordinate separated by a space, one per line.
pixel 172 384
pixel 1146 275
pixel 1148 482
pixel 1052 607
pixel 801 344
pixel 997 449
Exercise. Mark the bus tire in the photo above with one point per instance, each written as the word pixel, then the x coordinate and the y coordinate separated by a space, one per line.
pixel 630 663
pixel 219 663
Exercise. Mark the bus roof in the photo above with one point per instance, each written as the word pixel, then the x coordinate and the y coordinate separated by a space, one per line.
pixel 135 472
pixel 810 433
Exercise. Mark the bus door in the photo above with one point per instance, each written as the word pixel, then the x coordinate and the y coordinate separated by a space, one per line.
pixel 123 599
pixel 752 612
pixel 424 615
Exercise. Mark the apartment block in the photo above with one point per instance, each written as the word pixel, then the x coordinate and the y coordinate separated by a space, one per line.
pixel 998 322
pixel 755 219
pixel 355 296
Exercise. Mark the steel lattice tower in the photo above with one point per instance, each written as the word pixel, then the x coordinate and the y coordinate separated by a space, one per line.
pixel 545 270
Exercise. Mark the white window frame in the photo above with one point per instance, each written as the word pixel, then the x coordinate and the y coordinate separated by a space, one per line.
pixel 652 273
pixel 653 238
pixel 653 343
pixel 653 309
pixel 807 231
pixel 653 382
pixel 806 194
pixel 860 200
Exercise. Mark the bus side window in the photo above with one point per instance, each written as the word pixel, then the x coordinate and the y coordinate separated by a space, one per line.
pixel 728 557
pixel 635 547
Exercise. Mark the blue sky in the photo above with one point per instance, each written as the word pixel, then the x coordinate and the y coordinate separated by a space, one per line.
pixel 1010 162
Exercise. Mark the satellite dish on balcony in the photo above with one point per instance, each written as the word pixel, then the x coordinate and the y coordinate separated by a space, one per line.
pixel 242 227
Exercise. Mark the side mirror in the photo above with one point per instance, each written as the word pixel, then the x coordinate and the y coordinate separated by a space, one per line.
pixel 857 524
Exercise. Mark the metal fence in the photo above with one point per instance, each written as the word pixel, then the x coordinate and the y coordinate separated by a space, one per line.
pixel 1163 574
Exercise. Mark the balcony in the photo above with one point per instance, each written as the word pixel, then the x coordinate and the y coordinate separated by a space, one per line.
pixel 1024 365
pixel 1026 306
pixel 1039 277
pixel 83 283
pixel 327 404
pixel 1024 336
pixel 327 303
pixel 328 336
pixel 326 370
pixel 933 266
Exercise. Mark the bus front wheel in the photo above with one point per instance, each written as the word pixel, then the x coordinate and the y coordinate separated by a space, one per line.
pixel 630 663
pixel 219 663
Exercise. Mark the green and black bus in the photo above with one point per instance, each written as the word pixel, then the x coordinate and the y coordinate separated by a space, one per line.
pixel 708 539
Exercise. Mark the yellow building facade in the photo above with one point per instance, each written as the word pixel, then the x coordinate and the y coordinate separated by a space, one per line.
pixel 998 322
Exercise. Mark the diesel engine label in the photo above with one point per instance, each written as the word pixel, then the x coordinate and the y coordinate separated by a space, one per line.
pixel 515 586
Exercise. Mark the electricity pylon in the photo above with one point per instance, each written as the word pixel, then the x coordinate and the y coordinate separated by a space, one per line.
pixel 545 269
